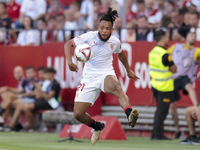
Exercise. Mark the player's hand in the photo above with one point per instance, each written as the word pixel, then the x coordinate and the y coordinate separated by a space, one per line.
pixel 73 67
pixel 198 75
pixel 132 75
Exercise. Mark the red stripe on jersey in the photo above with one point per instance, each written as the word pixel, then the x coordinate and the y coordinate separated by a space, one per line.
pixel 73 42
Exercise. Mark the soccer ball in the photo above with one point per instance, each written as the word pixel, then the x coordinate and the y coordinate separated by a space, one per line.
pixel 83 52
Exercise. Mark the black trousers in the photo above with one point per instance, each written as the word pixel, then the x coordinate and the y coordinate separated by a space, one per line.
pixel 163 101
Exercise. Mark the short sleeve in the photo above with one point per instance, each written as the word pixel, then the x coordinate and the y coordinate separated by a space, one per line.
pixel 43 7
pixel 81 39
pixel 118 48
pixel 171 49
pixel 167 60
pixel 23 7
pixel 31 37
pixel 196 53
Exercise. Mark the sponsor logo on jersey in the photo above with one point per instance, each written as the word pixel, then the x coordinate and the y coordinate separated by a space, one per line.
pixel 95 42
pixel 112 46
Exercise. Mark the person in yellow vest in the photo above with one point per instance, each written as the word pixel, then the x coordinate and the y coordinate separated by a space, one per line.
pixel 162 82
pixel 186 57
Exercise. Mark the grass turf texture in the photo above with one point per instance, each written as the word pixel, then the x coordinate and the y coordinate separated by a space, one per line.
pixel 48 141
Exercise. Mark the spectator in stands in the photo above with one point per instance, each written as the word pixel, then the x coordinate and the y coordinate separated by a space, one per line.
pixel 59 33
pixel 54 9
pixel 131 35
pixel 152 23
pixel 140 7
pixel 27 37
pixel 32 8
pixel 129 13
pixel 117 27
pixel 92 18
pixel 75 8
pixel 150 11
pixel 51 26
pixel 161 82
pixel 41 33
pixel 5 20
pixel 144 33
pixel 85 10
pixel 66 3
pixel 19 95
pixel 43 81
pixel 70 24
pixel 168 7
pixel 105 5
pixel 187 18
pixel 175 18
pixel 96 23
pixel 192 114
pixel 182 27
pixel 185 57
pixel 44 100
pixel 195 22
pixel 13 9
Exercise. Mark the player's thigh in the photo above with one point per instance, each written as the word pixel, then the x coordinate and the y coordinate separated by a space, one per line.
pixel 112 85
pixel 189 87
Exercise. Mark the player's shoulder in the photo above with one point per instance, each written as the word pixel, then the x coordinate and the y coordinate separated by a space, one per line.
pixel 114 39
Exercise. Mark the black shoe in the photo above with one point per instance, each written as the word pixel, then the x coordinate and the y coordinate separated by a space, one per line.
pixel 177 135
pixel 160 138
pixel 1 123
pixel 196 141
pixel 17 127
pixel 189 140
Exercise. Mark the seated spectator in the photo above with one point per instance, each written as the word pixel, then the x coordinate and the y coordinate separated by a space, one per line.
pixel 131 35
pixel 54 9
pixel 70 24
pixel 187 18
pixel 105 5
pixel 140 7
pixel 51 26
pixel 75 8
pixel 65 4
pixel 96 22
pixel 129 13
pixel 150 11
pixel 43 81
pixel 59 33
pixel 92 18
pixel 13 9
pixel 117 27
pixel 169 6
pixel 194 22
pixel 85 6
pixel 41 33
pixel 26 37
pixel 32 8
pixel 5 20
pixel 44 100
pixel 24 90
pixel 191 114
pixel 144 33
pixel 152 23
pixel 183 29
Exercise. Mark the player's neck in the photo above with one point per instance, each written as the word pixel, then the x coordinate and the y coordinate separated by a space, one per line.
pixel 161 44
pixel 104 40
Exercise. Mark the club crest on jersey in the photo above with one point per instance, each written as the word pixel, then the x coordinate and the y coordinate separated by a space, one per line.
pixel 112 46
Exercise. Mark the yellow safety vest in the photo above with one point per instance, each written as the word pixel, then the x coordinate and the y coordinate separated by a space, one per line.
pixel 161 78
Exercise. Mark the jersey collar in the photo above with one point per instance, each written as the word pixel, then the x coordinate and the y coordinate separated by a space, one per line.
pixel 187 48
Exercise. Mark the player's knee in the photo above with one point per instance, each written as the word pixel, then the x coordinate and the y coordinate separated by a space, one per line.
pixel 78 115
pixel 187 111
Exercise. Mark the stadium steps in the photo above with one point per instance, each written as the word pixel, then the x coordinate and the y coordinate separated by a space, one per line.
pixel 146 116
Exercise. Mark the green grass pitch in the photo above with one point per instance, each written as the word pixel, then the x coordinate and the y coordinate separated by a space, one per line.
pixel 48 141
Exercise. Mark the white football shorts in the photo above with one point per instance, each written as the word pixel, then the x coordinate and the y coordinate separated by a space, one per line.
pixel 90 87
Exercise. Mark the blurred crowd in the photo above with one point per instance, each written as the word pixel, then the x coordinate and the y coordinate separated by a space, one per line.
pixel 34 22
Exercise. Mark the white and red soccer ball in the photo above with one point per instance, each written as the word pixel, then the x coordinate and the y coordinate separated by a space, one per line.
pixel 83 52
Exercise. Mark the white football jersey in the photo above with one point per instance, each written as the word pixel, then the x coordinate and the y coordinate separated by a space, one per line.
pixel 102 58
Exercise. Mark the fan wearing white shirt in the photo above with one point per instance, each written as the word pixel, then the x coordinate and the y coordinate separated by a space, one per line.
pixel 26 37
pixel 41 33
pixel 32 8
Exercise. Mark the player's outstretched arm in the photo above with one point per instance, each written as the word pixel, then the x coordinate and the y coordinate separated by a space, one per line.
pixel 68 53
pixel 123 59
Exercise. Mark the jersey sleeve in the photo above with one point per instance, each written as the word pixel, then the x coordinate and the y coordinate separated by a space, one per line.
pixel 196 54
pixel 118 48
pixel 81 39
pixel 167 60
pixel 171 49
